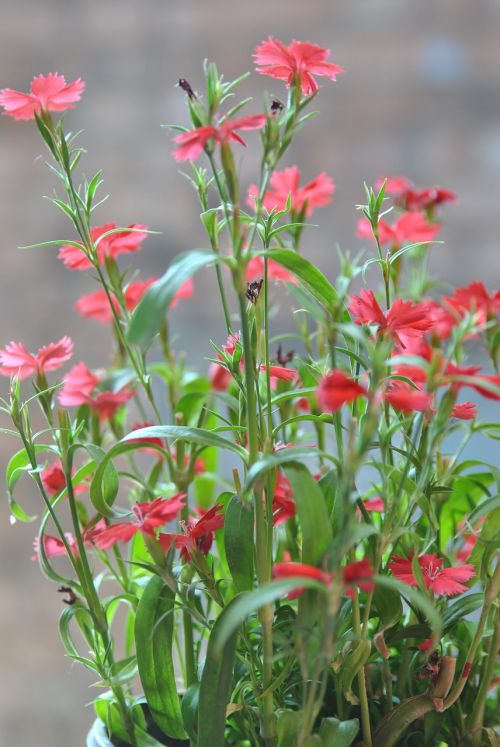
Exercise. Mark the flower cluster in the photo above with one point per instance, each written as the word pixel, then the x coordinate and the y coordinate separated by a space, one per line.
pixel 287 530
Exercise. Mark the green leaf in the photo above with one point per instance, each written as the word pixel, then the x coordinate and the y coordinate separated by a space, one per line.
pixel 335 733
pixel 148 315
pixel 189 708
pixel 154 625
pixel 388 605
pixel 18 465
pixel 277 459
pixel 417 599
pixel 467 604
pixel 355 654
pixel 288 727
pixel 312 513
pixel 239 543
pixel 198 436
pixel 216 681
pixel 247 602
pixel 312 278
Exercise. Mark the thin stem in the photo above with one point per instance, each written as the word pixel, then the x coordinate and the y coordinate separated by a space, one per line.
pixel 363 697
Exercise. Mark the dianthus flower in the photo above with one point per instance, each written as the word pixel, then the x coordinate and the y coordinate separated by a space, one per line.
pixel 54 480
pixel 110 246
pixel 80 387
pixel 280 372
pixel 474 299
pixel 358 573
pixel 297 62
pixel 48 93
pixel 16 359
pixel 442 581
pixel 147 518
pixel 403 318
pixel 284 184
pixel 413 198
pixel 198 534
pixel 336 389
pixel 275 271
pixel 283 504
pixel 409 228
pixel 190 145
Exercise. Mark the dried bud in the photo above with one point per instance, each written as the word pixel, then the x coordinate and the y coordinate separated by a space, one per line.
pixel 284 358
pixel 253 290
pixel 277 106
pixel 186 87
pixel 71 596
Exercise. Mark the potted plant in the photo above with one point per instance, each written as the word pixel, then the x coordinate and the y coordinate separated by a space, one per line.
pixel 290 546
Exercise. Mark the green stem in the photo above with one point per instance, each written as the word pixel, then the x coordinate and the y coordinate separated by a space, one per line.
pixel 363 697
pixel 477 716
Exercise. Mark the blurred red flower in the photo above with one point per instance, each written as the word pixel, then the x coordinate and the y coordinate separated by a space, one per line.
pixel 405 398
pixel 48 93
pixel 315 193
pixel 54 480
pixel 283 504
pixel 80 388
pixel 275 271
pixel 300 61
pixel 409 228
pixel 337 388
pixel 110 246
pixel 190 145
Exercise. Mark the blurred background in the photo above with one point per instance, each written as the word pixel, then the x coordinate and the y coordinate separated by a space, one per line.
pixel 421 97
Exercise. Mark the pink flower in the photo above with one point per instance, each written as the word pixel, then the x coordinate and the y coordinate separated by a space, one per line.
pixel 230 345
pixel 336 389
pixel 354 574
pixel 16 359
pixel 298 62
pixel 48 93
pixel 403 318
pixel 279 372
pixel 110 246
pixel 54 480
pixel 442 581
pixel 54 546
pixel 409 228
pixel 190 145
pixel 147 518
pixel 316 193
pixel 80 388
pixel 96 306
pixel 275 271
pixel 198 534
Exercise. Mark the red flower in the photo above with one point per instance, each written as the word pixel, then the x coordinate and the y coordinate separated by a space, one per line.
pixel 198 535
pixel 79 388
pixel 298 62
pixel 110 246
pixel 412 198
pixel 230 345
pixel 16 359
pixel 474 299
pixel 354 574
pixel 283 504
pixel 54 480
pixel 219 376
pixel 406 398
pixel 282 373
pixel 374 504
pixel 442 581
pixel 357 574
pixel 53 546
pixel 409 228
pixel 48 93
pixel 403 318
pixel 147 518
pixel 284 184
pixel 464 411
pixel 336 389
pixel 275 271
pixel 190 145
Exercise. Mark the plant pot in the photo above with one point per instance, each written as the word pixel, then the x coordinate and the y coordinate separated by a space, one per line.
pixel 98 736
